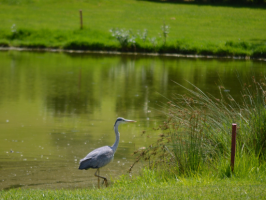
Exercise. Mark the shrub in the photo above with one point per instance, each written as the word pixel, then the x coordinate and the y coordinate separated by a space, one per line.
pixel 124 37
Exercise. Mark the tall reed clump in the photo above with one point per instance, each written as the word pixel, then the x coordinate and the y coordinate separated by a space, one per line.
pixel 254 102
pixel 197 134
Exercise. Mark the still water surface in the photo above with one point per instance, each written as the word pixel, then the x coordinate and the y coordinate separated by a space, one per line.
pixel 55 108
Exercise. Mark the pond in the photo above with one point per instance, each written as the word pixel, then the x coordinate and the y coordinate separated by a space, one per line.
pixel 57 107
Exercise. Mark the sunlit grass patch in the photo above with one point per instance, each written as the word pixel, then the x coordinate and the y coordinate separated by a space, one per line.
pixel 151 186
pixel 122 40
pixel 160 27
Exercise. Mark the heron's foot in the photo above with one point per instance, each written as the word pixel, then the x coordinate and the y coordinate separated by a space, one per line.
pixel 105 182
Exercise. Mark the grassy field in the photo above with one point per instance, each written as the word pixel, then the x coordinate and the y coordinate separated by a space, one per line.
pixel 194 29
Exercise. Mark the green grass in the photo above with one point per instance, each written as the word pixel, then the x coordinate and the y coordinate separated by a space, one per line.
pixel 152 185
pixel 194 29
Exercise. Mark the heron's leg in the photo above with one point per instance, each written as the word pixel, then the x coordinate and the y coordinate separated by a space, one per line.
pixel 104 179
pixel 98 177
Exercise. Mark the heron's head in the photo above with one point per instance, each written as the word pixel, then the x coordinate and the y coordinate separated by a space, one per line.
pixel 121 120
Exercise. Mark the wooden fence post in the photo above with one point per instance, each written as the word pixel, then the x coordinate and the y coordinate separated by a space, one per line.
pixel 81 20
pixel 233 147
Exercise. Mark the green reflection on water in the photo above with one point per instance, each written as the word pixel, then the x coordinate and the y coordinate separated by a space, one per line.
pixel 55 108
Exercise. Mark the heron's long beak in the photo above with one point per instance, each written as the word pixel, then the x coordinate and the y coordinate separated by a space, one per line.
pixel 128 120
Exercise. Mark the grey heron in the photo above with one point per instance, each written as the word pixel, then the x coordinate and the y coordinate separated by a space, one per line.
pixel 102 156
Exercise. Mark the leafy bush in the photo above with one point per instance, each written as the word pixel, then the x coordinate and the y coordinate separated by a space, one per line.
pixel 124 37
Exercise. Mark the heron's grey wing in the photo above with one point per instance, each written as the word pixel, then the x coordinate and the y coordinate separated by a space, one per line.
pixel 97 158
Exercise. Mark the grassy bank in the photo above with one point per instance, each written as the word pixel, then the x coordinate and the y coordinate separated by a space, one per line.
pixel 151 186
pixel 138 26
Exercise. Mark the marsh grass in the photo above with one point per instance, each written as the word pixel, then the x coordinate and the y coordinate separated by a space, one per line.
pixel 197 135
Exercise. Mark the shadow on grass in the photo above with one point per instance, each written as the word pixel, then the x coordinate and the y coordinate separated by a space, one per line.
pixel 258 40
pixel 254 5
pixel 13 187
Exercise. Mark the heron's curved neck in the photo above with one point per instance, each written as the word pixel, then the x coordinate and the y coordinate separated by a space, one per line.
pixel 117 137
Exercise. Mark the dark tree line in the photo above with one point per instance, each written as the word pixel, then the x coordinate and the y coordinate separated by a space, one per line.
pixel 235 2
